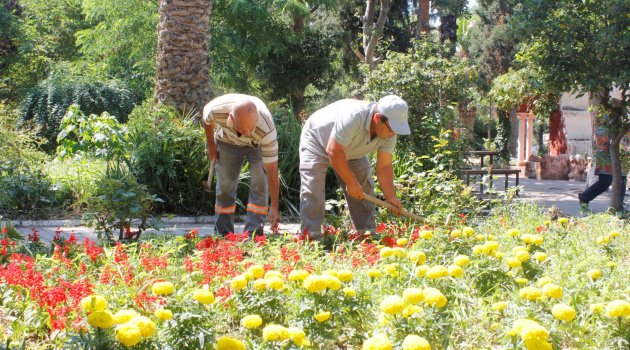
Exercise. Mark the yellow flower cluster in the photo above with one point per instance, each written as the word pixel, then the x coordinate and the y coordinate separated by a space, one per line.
pixel 513 232
pixel 93 303
pixel 298 275
pixel 203 295
pixel 461 260
pixel 123 316
pixel 163 314
pixel 530 293
pixel 418 257
pixel 274 332
pixel 377 342
pixel 563 312
pixel 298 336
pixel 227 343
pixel 532 239
pixel 552 290
pixel 251 321
pixel 413 295
pixel 532 333
pixel 322 316
pixel 594 274
pixel 315 283
pixel 101 319
pixel 415 342
pixel 239 282
pixel 618 308
pixel 437 271
pixel 134 330
pixel 163 288
pixel 434 297
pixel 540 256
pixel 257 271
pixel 392 305
pixel 489 248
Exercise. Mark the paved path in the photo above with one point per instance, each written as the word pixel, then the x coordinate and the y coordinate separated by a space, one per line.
pixel 548 193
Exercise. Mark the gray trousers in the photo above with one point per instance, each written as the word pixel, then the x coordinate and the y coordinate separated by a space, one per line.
pixel 228 169
pixel 312 193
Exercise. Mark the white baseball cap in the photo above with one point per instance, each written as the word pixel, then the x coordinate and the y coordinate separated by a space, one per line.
pixel 395 109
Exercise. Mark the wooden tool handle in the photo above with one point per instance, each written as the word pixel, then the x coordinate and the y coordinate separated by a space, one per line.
pixel 211 172
pixel 387 205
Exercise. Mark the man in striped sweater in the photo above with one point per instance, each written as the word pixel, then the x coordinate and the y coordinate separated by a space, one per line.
pixel 240 127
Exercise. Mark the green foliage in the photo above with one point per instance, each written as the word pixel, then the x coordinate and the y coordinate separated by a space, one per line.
pixel 432 84
pixel 99 136
pixel 47 103
pixel 289 131
pixel 302 59
pixel 118 200
pixel 121 40
pixel 168 156
pixel 523 86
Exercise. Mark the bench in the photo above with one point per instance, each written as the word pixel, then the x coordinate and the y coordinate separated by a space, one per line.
pixel 506 172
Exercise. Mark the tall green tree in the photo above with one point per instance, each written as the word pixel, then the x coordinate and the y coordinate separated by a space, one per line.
pixel 584 46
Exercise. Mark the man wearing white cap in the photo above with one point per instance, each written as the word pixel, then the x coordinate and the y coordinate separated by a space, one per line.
pixel 342 135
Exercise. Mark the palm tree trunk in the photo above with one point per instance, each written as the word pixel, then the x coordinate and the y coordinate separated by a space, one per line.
pixel 183 61
pixel 422 25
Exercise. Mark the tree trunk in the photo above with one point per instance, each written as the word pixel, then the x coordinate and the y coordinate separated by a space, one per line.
pixel 372 32
pixel 422 14
pixel 183 60
pixel 448 28
pixel 615 161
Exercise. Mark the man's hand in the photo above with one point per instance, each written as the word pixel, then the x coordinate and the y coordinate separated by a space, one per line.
pixel 213 153
pixel 273 216
pixel 396 203
pixel 354 190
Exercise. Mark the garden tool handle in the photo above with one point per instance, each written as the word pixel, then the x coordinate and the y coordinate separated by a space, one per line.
pixel 387 205
pixel 211 171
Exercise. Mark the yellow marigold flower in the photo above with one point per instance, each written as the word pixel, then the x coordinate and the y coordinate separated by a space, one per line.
pixel 239 282
pixel 499 306
pixel 203 296
pixel 144 324
pixel 93 303
pixel 251 321
pixel 519 248
pixel 260 285
pixel 490 236
pixel 437 271
pixel 426 234
pixel 413 295
pixel 415 342
pixel 455 271
pixel 468 231
pixel 552 290
pixel 462 260
pixel 322 316
pixel 534 344
pixel 478 249
pixel 499 255
pixel 527 238
pixel 330 273
pixel 298 275
pixel 456 233
pixel 563 221
pixel 345 276
pixel 605 239
pixel 386 252
pixel 530 293
pixel 540 256
pixel 563 312
pixel 512 232
pixel 480 238
pixel 512 262
pixel 529 330
pixel 123 316
pixel 275 283
pixel 163 314
pixel 538 239
pixel 410 310
pixel 597 308
pixel 491 246
pixel 275 332
pixel 315 283
pixel 614 234
pixel 377 342
pixel 162 288
pixel 392 305
pixel 256 270
pixel 249 275
pixel 618 308
pixel 399 252
pixel 611 264
pixel 522 256
pixel 421 271
pixel 298 336
pixel 391 270
pixel 521 280
pixel 374 273
pixel 273 273
pixel 227 343
pixel 332 282
pixel 402 242
pixel 418 257
pixel 128 334
pixel 100 319
pixel 349 292
pixel 434 297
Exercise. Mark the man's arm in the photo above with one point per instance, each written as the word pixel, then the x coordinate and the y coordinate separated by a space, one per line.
pixel 385 176
pixel 211 146
pixel 273 183
pixel 337 154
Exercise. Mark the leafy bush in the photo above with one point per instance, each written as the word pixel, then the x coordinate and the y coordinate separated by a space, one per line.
pixel 168 156
pixel 48 102
pixel 433 83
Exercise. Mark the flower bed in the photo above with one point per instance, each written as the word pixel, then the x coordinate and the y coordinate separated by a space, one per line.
pixel 513 280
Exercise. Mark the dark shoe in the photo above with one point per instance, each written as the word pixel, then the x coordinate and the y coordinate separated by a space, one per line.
pixel 583 204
